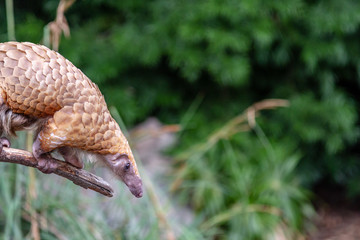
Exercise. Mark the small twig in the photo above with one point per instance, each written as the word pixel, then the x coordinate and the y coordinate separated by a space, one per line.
pixel 59 25
pixel 78 176
pixel 262 105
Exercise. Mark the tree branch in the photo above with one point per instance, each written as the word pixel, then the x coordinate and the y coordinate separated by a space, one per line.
pixel 78 176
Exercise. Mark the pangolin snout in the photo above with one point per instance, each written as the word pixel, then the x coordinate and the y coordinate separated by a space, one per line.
pixel 135 186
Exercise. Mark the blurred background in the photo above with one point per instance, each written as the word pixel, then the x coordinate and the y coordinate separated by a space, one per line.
pixel 243 116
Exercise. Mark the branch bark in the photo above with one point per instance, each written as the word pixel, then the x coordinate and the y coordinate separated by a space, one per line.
pixel 78 176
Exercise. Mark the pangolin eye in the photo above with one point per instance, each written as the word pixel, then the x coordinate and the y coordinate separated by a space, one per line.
pixel 127 166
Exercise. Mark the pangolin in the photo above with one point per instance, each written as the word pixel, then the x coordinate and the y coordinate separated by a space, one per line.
pixel 42 90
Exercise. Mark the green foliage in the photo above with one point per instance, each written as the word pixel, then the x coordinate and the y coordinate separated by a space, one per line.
pixel 329 121
pixel 242 180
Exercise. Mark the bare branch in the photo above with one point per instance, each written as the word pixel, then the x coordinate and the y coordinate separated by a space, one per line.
pixel 78 176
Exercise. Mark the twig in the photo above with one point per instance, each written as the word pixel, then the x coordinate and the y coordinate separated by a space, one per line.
pixel 58 26
pixel 262 105
pixel 78 176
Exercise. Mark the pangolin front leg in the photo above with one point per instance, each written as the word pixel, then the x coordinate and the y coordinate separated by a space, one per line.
pixel 46 141
pixel 56 134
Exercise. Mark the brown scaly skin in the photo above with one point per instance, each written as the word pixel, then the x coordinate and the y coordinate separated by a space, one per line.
pixel 41 89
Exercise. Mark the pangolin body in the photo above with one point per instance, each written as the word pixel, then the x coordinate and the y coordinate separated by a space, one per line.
pixel 40 83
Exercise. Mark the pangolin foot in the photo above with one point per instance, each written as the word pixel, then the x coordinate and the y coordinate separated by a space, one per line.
pixel 4 142
pixel 47 164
